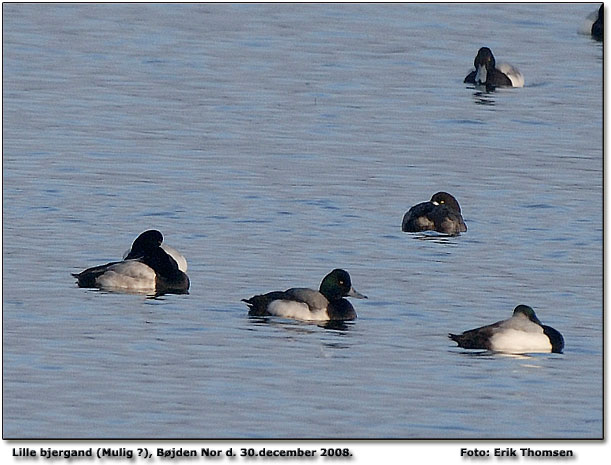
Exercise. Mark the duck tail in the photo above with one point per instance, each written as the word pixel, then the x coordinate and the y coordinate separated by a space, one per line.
pixel 252 305
pixel 257 305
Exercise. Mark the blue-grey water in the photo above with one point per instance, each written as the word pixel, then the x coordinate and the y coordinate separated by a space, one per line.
pixel 270 144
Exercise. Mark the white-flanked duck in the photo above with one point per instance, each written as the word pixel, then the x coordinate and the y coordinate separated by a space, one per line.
pixel 594 25
pixel 522 333
pixel 146 268
pixel 326 304
pixel 488 74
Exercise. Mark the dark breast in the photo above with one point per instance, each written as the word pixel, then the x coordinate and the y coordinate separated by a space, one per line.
pixel 178 282
pixel 555 338
pixel 498 79
pixel 341 310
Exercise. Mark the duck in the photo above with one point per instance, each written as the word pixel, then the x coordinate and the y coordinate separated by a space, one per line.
pixel 488 74
pixel 146 268
pixel 597 29
pixel 326 304
pixel 593 25
pixel 522 333
pixel 441 213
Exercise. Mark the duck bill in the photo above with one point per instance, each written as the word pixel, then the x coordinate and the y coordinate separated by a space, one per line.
pixel 355 294
pixel 481 75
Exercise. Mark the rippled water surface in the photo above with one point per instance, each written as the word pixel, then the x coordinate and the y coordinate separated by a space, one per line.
pixel 271 144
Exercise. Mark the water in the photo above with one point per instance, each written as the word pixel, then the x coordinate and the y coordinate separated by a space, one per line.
pixel 271 144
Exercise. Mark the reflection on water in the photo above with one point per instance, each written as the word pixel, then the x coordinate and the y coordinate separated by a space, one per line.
pixel 483 97
pixel 492 354
pixel 304 326
pixel 529 361
pixel 338 325
pixel 148 294
pixel 436 237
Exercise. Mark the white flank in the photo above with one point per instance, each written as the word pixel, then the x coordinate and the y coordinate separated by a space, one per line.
pixel 586 25
pixel 297 310
pixel 130 274
pixel 515 341
pixel 516 78
pixel 176 255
